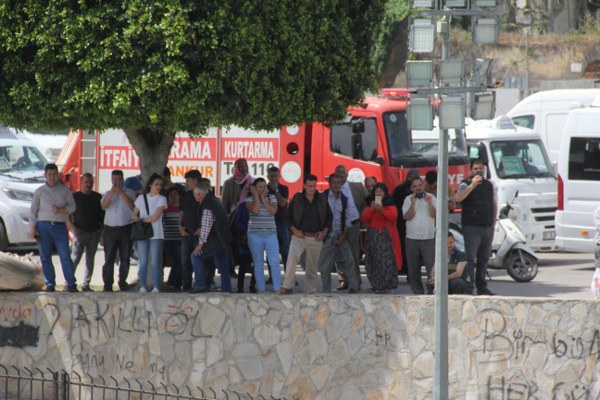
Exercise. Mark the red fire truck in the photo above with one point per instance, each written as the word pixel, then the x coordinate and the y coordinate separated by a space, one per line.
pixel 372 141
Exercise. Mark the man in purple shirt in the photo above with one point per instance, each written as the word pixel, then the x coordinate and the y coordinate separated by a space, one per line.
pixel 51 206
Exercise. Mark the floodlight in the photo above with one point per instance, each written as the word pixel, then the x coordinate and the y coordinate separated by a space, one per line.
pixel 486 30
pixel 482 69
pixel 455 3
pixel 484 3
pixel 419 73
pixel 452 71
pixel 484 107
pixel 452 112
pixel 422 36
pixel 419 114
pixel 422 3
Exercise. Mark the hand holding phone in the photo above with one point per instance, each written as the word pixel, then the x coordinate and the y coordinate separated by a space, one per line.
pixel 378 200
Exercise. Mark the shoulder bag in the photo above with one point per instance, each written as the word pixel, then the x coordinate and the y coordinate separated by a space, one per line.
pixel 142 230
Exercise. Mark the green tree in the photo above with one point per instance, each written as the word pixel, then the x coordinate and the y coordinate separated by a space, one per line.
pixel 155 67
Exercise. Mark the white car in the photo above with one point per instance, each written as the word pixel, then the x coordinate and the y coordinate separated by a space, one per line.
pixel 21 173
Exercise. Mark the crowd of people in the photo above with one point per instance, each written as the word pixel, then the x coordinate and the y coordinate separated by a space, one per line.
pixel 196 233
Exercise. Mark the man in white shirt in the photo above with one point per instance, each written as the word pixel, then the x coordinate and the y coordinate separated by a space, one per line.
pixel 118 219
pixel 419 212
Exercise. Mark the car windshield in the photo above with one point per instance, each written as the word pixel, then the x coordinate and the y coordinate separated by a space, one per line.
pixel 420 148
pixel 520 159
pixel 21 158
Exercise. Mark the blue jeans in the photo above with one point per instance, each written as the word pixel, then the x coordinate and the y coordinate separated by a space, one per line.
pixel 55 236
pixel 201 263
pixel 259 243
pixel 150 252
pixel 478 246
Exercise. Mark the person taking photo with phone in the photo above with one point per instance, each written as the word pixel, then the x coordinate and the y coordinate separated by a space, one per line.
pixel 477 196
pixel 419 212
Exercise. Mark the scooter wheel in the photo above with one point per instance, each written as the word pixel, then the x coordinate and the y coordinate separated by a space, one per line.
pixel 522 270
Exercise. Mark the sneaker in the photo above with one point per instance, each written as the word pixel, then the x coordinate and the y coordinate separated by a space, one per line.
pixel 214 287
pixel 485 292
pixel 123 287
pixel 155 290
pixel 86 288
pixel 285 291
pixel 143 290
pixel 49 289
pixel 198 290
pixel 71 289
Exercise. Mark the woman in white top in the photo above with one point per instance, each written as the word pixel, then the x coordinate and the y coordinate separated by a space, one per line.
pixel 150 250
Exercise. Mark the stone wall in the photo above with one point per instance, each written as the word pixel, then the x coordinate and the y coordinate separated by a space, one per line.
pixel 310 347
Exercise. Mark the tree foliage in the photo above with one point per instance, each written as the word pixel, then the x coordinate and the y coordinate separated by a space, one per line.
pixel 159 66
pixel 395 11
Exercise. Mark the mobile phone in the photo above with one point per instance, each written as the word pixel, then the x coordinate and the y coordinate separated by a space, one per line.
pixel 378 200
pixel 480 174
pixel 420 195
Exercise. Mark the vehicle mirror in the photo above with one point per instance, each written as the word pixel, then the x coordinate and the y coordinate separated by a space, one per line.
pixel 358 126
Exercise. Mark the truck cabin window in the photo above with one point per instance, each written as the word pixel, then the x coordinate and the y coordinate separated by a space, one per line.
pixel 520 159
pixel 356 141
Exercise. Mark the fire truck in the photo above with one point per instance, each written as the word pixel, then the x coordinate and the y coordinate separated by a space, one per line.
pixel 373 140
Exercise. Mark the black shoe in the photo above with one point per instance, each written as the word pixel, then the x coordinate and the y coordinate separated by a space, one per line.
pixel 240 290
pixel 86 288
pixel 253 289
pixel 107 288
pixel 49 289
pixel 198 290
pixel 71 289
pixel 485 292
pixel 123 287
pixel 269 281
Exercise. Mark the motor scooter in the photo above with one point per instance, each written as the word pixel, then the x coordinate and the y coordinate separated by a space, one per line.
pixel 509 246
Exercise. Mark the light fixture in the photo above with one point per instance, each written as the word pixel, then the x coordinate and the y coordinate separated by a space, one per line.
pixel 419 114
pixel 482 70
pixel 422 3
pixel 451 112
pixel 485 30
pixel 419 73
pixel 484 3
pixel 452 72
pixel 422 36
pixel 484 106
pixel 455 3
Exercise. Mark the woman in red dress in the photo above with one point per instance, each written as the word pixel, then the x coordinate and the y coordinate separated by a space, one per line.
pixel 383 257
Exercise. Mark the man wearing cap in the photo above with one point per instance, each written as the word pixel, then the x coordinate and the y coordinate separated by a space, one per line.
pixel 189 221
pixel 401 192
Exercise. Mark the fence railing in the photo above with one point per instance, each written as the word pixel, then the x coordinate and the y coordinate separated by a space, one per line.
pixel 26 384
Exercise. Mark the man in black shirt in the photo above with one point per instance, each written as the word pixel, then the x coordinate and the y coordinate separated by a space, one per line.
pixel 86 225
pixel 189 221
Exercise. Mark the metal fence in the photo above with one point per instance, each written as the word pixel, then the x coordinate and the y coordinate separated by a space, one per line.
pixel 25 384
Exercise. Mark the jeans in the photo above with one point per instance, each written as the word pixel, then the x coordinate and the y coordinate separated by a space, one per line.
pixel 187 246
pixel 173 250
pixel 88 242
pixel 150 253
pixel 201 263
pixel 478 246
pixel 259 243
pixel 116 238
pixel 55 236
pixel 331 253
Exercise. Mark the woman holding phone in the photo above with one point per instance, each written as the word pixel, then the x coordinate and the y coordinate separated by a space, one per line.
pixel 383 258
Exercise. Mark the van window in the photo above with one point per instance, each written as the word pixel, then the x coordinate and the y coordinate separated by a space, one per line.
pixel 520 159
pixel 584 159
pixel 361 146
pixel 526 121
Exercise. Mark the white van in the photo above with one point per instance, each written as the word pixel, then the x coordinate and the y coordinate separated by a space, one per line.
pixel 579 180
pixel 516 160
pixel 21 172
pixel 546 112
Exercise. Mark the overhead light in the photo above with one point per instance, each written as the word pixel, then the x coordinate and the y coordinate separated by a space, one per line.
pixel 452 72
pixel 451 112
pixel 419 73
pixel 486 30
pixel 422 36
pixel 422 3
pixel 419 114
pixel 455 3
pixel 484 3
pixel 484 106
